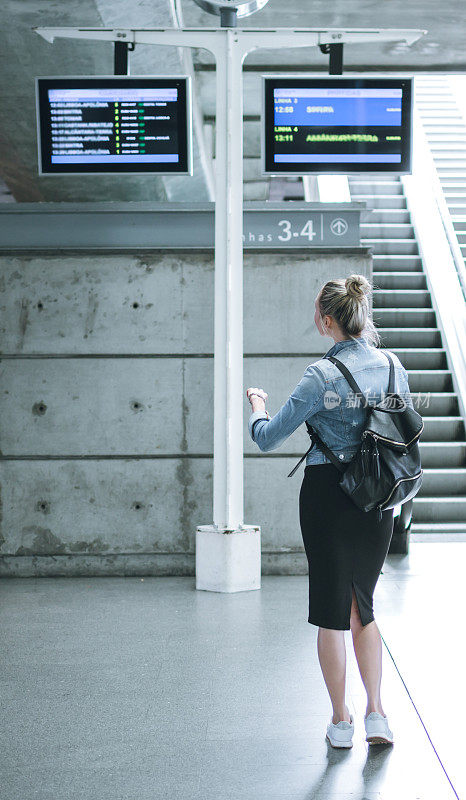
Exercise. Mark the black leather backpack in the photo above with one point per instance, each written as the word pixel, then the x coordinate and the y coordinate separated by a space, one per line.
pixel 386 470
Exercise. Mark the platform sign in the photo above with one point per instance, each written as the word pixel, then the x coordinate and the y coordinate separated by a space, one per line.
pixel 176 226
pixel 123 125
pixel 336 125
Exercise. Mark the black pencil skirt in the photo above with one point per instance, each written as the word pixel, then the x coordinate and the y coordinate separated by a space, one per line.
pixel 344 546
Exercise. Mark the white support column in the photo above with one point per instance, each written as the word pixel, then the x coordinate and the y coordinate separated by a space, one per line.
pixel 228 345
pixel 228 553
pixel 334 189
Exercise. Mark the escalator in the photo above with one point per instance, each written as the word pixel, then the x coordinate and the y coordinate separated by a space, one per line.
pixel 406 319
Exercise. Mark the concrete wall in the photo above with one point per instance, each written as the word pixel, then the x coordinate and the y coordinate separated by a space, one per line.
pixel 106 410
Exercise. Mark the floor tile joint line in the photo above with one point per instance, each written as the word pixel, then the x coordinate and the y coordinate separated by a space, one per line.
pixel 420 718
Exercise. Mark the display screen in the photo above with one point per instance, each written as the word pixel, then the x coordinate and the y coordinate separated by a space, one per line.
pixel 337 125
pixel 119 125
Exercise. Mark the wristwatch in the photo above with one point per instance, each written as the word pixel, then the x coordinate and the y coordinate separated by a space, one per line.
pixel 261 411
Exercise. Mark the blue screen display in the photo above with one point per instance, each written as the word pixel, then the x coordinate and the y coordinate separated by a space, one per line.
pixel 338 107
pixel 337 124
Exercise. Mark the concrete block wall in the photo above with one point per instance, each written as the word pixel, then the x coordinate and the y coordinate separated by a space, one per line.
pixel 106 405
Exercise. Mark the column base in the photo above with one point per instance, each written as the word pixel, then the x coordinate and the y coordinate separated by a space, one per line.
pixel 228 560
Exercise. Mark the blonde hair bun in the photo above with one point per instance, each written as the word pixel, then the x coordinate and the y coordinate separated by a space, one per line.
pixel 346 300
pixel 357 286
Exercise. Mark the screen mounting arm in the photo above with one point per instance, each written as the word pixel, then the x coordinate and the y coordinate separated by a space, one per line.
pixel 121 58
pixel 335 62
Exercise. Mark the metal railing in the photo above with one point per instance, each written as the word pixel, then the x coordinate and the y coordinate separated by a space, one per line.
pixel 442 258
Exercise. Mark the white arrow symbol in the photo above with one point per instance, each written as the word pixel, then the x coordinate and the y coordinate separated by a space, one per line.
pixel 339 226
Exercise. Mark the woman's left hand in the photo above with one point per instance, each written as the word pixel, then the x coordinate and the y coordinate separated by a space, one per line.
pixel 257 398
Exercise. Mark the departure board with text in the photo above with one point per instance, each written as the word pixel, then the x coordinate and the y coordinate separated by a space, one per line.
pixel 114 125
pixel 336 125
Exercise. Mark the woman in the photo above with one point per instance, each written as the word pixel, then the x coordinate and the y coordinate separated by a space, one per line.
pixel 345 547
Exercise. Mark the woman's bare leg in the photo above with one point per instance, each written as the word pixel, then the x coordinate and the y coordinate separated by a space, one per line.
pixel 331 650
pixel 368 651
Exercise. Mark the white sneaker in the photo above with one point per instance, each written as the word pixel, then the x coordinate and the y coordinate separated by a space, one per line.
pixel 341 734
pixel 377 730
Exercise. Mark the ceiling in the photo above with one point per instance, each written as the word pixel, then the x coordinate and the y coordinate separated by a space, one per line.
pixel 24 55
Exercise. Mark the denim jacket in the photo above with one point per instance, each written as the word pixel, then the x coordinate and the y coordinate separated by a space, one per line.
pixel 324 397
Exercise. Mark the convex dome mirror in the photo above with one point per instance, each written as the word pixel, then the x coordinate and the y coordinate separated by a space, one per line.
pixel 242 8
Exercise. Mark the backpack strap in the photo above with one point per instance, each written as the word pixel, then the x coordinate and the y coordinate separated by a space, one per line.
pixel 347 374
pixel 391 377
pixel 304 456
pixel 345 371
pixel 315 438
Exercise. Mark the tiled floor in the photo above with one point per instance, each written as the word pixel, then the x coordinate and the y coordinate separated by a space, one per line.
pixel 125 689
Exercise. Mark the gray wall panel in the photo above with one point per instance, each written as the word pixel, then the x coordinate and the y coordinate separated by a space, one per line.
pixel 142 406
pixel 53 507
pixel 82 406
pixel 58 507
pixel 67 304
pixel 84 303
pixel 279 295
